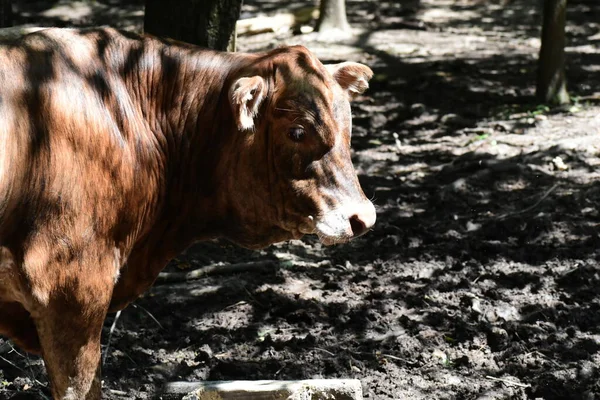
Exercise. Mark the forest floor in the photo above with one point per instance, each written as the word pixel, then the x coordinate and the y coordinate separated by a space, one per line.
pixel 480 279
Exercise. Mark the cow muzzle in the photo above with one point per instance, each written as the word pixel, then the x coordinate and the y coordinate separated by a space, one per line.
pixel 345 222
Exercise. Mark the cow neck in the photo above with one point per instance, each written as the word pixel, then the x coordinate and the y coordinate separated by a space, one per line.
pixel 189 117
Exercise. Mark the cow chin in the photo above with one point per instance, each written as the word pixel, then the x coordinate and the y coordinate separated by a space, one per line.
pixel 265 239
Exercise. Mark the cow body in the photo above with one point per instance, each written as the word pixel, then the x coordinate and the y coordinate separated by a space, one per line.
pixel 118 151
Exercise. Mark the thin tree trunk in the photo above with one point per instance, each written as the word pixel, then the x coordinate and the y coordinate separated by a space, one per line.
pixel 332 16
pixel 6 17
pixel 551 84
pixel 207 23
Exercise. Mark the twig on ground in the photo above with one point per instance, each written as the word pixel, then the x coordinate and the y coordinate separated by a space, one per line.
pixel 575 268
pixel 32 372
pixel 398 359
pixel 22 370
pixel 324 351
pixel 508 382
pixel 537 203
pixel 110 333
pixel 279 370
pixel 8 345
pixel 539 353
pixel 130 359
pixel 13 364
pixel 149 314
pixel 239 303
pixel 375 354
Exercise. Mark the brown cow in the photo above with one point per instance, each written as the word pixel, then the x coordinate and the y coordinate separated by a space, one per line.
pixel 118 151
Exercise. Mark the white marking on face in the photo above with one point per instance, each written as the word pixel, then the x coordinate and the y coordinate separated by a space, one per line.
pixel 334 225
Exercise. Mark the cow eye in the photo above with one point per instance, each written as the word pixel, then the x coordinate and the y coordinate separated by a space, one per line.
pixel 296 133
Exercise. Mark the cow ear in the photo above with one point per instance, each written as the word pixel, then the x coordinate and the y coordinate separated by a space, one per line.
pixel 246 96
pixel 352 77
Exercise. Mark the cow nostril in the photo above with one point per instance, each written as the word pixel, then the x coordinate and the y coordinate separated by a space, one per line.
pixel 357 225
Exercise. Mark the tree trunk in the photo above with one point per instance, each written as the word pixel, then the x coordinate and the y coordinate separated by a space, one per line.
pixel 332 16
pixel 551 84
pixel 6 17
pixel 207 23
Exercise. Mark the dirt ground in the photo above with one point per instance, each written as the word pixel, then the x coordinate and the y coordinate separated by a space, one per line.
pixel 480 279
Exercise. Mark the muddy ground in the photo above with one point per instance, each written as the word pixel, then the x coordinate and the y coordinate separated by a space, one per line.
pixel 480 279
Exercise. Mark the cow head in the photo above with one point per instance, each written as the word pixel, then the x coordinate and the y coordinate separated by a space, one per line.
pixel 295 113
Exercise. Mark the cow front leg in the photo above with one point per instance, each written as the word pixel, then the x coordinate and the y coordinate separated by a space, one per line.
pixel 69 330
pixel 70 339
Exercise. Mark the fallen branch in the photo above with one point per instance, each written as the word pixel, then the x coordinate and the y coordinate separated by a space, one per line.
pixel 32 377
pixel 593 97
pixel 339 389
pixel 276 23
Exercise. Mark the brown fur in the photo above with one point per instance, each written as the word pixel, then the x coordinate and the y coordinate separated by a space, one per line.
pixel 118 151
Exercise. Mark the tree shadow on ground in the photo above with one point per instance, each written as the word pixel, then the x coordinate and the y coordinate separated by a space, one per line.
pixel 474 250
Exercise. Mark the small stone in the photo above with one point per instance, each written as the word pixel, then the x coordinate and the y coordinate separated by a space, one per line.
pixel 471 226
pixel 476 305
pixel 559 164
pixel 460 185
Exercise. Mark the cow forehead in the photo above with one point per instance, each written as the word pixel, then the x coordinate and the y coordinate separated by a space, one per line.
pixel 305 89
pixel 315 93
pixel 299 70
